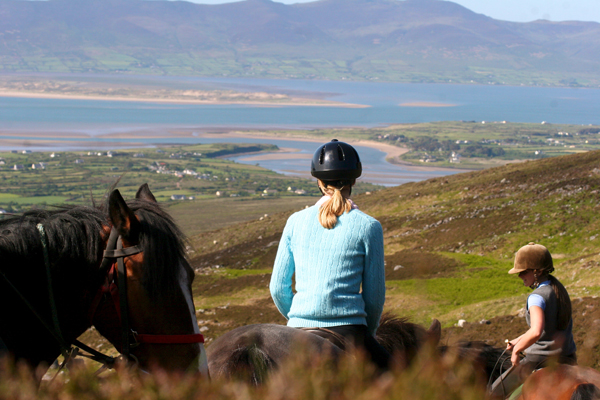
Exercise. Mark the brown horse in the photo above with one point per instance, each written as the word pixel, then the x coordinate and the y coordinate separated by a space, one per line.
pixel 562 382
pixel 53 276
pixel 251 352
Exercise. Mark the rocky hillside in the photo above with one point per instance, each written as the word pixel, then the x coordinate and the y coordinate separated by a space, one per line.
pixel 448 245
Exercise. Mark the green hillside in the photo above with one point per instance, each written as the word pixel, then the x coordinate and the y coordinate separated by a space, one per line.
pixel 449 243
pixel 403 41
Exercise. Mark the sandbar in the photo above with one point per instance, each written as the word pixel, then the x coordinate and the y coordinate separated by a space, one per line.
pixel 292 102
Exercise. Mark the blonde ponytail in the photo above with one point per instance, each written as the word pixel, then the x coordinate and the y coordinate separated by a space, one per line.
pixel 334 207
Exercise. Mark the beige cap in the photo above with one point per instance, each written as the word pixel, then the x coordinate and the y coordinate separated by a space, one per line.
pixel 532 256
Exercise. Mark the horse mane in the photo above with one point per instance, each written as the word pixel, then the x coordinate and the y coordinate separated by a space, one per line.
pixel 75 233
pixel 163 244
pixel 586 391
pixel 71 233
pixel 396 334
pixel 492 360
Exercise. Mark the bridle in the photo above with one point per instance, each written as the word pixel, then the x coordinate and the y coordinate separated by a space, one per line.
pixel 112 261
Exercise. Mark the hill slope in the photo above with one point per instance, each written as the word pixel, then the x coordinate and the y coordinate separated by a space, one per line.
pixel 449 243
pixel 407 40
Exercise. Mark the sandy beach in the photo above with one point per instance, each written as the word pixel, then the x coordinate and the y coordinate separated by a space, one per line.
pixel 292 102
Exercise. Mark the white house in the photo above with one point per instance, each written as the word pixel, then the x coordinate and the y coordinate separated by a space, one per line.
pixel 178 197
pixel 18 167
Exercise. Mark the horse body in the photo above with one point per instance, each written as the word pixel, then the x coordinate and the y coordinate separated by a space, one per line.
pixel 562 382
pixel 158 283
pixel 251 352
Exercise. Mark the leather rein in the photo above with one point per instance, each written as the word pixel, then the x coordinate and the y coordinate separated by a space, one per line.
pixel 112 261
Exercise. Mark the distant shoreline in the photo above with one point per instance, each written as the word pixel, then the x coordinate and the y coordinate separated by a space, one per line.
pixel 392 153
pixel 45 140
pixel 293 102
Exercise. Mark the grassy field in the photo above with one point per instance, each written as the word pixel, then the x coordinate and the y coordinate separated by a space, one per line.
pixel 479 144
pixel 281 67
pixel 428 378
pixel 215 213
pixel 191 171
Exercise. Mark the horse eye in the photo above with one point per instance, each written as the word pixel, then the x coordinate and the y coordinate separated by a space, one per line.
pixel 6 232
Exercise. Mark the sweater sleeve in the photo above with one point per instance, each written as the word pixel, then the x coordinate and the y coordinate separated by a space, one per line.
pixel 283 271
pixel 373 287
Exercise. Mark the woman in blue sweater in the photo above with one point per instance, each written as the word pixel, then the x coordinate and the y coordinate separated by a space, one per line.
pixel 335 252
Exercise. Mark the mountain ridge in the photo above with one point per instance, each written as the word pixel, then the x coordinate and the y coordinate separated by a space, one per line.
pixel 328 39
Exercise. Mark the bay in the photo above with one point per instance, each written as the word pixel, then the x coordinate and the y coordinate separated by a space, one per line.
pixel 384 100
pixel 86 122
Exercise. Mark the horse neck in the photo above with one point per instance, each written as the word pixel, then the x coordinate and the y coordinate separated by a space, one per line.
pixel 22 329
pixel 28 327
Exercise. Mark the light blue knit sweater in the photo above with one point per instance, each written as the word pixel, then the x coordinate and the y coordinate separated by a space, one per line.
pixel 330 265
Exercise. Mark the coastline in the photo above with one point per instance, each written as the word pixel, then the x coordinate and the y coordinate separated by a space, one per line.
pixel 392 153
pixel 44 140
pixel 294 102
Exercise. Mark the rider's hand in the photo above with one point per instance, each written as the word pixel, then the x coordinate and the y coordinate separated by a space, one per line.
pixel 510 345
pixel 515 359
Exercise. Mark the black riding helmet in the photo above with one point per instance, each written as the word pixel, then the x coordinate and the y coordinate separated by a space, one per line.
pixel 336 161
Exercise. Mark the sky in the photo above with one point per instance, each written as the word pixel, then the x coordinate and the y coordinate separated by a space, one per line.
pixel 510 10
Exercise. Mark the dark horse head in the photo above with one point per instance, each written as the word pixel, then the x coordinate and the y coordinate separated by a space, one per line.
pixel 51 282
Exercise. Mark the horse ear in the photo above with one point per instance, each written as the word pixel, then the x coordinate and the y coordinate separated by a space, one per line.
pixel 144 193
pixel 434 333
pixel 122 218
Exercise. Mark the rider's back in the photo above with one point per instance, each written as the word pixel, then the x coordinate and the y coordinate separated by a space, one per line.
pixel 549 343
pixel 331 266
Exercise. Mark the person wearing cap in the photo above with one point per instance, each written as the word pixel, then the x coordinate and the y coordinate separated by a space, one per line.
pixel 334 252
pixel 548 315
